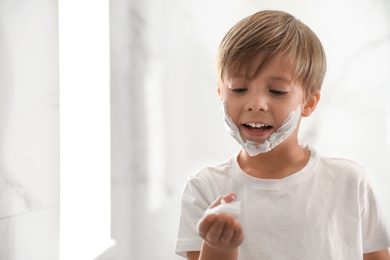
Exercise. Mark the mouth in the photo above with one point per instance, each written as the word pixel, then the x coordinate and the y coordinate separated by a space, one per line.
pixel 256 127
pixel 256 130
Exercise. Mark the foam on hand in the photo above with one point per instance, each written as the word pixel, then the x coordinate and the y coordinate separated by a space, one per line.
pixel 232 208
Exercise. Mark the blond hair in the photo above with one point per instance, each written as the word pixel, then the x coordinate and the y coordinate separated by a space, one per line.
pixel 271 34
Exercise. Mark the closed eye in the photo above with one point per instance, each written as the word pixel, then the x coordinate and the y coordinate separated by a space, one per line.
pixel 278 92
pixel 239 90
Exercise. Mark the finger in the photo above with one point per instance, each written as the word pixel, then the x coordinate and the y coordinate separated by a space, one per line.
pixel 230 197
pixel 215 231
pixel 227 198
pixel 228 231
pixel 238 235
pixel 205 224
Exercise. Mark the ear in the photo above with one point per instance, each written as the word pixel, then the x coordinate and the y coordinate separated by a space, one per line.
pixel 310 104
pixel 219 88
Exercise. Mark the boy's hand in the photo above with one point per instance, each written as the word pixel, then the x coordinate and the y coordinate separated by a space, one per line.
pixel 221 231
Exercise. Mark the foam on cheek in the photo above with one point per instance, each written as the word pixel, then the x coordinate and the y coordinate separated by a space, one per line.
pixel 253 149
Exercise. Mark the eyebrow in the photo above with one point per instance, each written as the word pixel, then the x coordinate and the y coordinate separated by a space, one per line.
pixel 237 78
pixel 279 78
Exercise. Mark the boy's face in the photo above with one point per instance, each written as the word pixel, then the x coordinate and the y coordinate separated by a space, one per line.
pixel 259 106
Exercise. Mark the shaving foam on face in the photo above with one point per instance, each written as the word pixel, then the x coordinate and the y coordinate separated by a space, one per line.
pixel 253 149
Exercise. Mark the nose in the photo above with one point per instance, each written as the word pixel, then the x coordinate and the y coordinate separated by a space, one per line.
pixel 257 103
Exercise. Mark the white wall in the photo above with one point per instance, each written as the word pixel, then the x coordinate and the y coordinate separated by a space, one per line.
pixel 29 130
pixel 166 120
pixel 85 129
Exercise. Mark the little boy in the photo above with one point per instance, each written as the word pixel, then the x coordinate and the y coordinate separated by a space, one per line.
pixel 295 203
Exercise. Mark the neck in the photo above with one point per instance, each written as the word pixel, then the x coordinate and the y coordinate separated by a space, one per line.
pixel 285 159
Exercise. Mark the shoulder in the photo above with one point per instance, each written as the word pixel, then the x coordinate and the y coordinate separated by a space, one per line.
pixel 342 165
pixel 341 168
pixel 203 187
pixel 212 173
pixel 344 175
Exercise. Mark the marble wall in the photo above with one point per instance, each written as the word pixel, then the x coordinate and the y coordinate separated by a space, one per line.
pixel 29 130
pixel 166 120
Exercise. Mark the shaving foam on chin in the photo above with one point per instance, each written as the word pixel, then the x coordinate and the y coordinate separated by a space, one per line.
pixel 253 149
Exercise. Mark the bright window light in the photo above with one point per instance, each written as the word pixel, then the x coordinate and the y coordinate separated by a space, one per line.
pixel 84 128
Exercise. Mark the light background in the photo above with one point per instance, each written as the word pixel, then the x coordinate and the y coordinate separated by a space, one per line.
pixel 165 114
pixel 166 111
pixel 29 130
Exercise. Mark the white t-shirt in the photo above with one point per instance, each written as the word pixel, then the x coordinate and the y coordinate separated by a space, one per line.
pixel 327 210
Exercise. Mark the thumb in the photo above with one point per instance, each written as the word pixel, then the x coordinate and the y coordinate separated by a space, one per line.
pixel 227 198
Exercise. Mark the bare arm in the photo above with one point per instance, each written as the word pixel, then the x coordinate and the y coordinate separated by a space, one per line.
pixel 378 255
pixel 210 253
pixel 193 255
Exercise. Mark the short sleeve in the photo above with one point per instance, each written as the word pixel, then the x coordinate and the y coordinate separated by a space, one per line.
pixel 198 193
pixel 375 230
